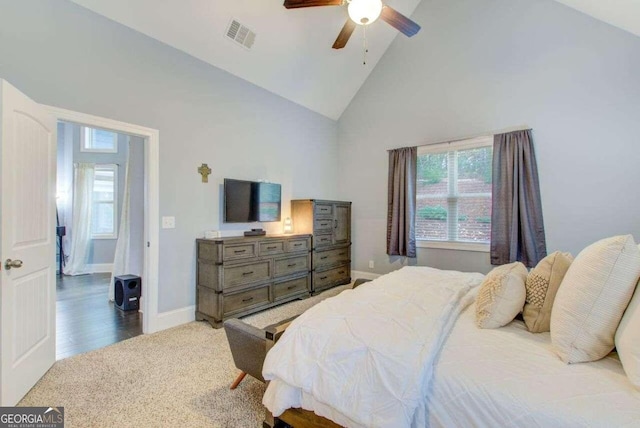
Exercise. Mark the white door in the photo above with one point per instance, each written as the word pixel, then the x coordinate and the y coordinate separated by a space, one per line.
pixel 27 252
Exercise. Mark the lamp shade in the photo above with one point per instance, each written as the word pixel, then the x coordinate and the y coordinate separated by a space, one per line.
pixel 364 12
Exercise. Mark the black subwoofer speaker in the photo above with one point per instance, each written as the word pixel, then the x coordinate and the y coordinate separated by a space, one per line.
pixel 127 292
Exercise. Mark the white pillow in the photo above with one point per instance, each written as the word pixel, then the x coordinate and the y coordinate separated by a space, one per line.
pixel 593 296
pixel 501 295
pixel 628 339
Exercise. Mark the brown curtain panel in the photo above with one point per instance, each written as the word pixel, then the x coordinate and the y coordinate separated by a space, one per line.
pixel 517 226
pixel 401 213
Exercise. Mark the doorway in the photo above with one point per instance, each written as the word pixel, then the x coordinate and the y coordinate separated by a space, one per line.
pixel 150 230
pixel 100 224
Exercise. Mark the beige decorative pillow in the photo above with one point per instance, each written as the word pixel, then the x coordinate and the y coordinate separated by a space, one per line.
pixel 594 294
pixel 542 285
pixel 627 339
pixel 501 295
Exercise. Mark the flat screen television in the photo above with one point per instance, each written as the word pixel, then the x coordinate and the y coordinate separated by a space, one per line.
pixel 251 201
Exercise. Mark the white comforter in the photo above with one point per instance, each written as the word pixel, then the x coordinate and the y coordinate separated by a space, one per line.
pixel 368 361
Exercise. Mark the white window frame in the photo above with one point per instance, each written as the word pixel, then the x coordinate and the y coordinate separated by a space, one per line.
pixel 86 134
pixel 471 143
pixel 113 167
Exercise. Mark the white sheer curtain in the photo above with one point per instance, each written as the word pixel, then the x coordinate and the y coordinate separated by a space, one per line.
pixel 121 260
pixel 81 219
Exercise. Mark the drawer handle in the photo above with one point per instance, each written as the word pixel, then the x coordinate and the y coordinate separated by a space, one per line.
pixel 323 277
pixel 247 273
pixel 324 257
pixel 341 272
pixel 297 245
pixel 272 248
pixel 341 254
pixel 291 264
pixel 247 300
pixel 291 287
pixel 240 251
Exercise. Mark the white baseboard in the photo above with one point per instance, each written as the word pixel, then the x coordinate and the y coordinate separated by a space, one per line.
pixel 175 318
pixel 355 274
pixel 100 268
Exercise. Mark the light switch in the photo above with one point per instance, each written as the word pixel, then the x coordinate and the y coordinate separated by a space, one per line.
pixel 169 222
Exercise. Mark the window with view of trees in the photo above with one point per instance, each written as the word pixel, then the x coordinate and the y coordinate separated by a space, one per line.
pixel 453 197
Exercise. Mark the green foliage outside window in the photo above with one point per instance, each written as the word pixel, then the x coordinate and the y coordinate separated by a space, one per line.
pixel 432 168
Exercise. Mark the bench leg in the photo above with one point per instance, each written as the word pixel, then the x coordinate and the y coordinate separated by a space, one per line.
pixel 236 382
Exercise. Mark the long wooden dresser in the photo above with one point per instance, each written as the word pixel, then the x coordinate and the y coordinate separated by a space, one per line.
pixel 237 276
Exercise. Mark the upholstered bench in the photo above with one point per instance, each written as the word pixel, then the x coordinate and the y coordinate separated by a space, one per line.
pixel 249 345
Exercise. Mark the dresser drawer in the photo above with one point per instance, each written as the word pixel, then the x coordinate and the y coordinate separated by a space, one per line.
pixel 291 265
pixel 285 289
pixel 331 277
pixel 246 273
pixel 331 257
pixel 294 245
pixel 322 240
pixel 239 251
pixel 269 248
pixel 239 301
pixel 323 224
pixel 323 209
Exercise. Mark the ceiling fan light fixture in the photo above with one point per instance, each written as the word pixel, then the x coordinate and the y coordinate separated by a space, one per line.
pixel 364 12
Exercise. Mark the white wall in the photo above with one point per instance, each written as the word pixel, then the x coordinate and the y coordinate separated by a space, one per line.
pixel 63 55
pixel 484 65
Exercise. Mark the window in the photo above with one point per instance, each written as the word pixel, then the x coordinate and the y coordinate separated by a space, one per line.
pixel 105 197
pixel 98 140
pixel 453 206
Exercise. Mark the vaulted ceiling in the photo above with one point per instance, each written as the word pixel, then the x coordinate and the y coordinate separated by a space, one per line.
pixel 292 55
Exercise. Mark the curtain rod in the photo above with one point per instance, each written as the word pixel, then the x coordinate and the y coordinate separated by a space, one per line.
pixel 500 131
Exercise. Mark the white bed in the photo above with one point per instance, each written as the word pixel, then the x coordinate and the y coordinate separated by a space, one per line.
pixel 404 350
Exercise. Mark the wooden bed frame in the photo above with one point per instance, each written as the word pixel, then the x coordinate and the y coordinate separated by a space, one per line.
pixel 298 418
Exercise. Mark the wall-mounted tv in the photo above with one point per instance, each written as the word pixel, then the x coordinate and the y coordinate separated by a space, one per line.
pixel 251 201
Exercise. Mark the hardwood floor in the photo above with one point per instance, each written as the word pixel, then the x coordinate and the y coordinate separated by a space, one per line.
pixel 86 319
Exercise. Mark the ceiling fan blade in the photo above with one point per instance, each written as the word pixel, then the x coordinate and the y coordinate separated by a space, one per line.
pixel 344 35
pixel 399 21
pixel 293 4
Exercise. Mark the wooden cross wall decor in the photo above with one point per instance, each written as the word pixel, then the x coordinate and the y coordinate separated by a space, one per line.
pixel 204 170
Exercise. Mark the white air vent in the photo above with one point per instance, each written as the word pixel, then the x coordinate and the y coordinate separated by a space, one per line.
pixel 241 34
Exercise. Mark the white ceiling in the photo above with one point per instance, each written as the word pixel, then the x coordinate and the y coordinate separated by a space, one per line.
pixel 624 14
pixel 292 55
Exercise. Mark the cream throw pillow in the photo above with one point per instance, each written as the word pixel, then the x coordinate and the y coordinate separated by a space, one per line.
pixel 501 295
pixel 594 294
pixel 542 285
pixel 628 339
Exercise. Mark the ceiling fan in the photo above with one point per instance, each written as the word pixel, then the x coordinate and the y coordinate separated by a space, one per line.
pixel 361 12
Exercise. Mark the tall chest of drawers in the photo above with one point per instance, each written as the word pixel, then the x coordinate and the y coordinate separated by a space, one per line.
pixel 330 224
pixel 237 276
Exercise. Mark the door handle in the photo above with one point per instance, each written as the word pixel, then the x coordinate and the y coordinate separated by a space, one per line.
pixel 8 264
pixel 335 224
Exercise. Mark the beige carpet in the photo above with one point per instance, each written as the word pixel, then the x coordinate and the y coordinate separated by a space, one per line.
pixel 177 377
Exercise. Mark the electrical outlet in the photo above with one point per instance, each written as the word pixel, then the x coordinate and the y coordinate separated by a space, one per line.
pixel 168 222
pixel 371 264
